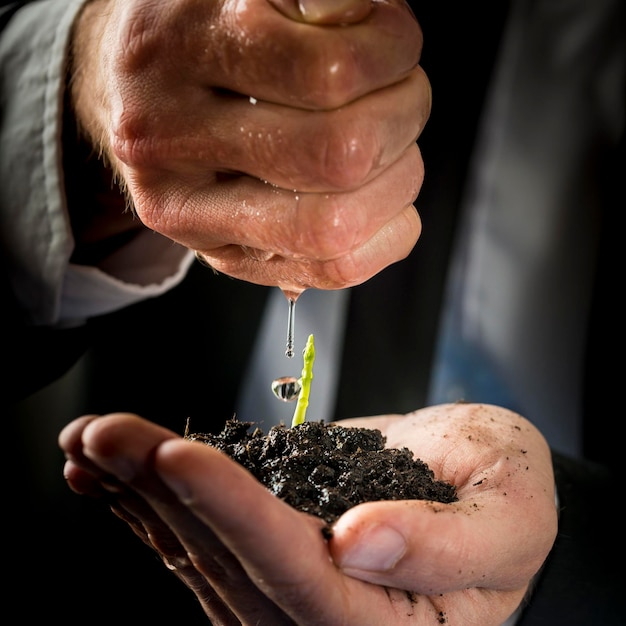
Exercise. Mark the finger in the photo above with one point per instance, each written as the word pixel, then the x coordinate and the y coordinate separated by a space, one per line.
pixel 315 67
pixel 254 50
pixel 285 222
pixel 436 550
pixel 151 529
pixel 329 12
pixel 231 499
pixel 90 479
pixel 327 241
pixel 82 482
pixel 82 476
pixel 407 544
pixel 391 244
pixel 282 550
pixel 503 525
pixel 125 446
pixel 326 151
pixel 70 437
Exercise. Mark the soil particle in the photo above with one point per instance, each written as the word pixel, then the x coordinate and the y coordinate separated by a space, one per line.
pixel 324 469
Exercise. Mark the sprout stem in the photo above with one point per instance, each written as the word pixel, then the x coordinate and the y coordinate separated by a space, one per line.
pixel 305 382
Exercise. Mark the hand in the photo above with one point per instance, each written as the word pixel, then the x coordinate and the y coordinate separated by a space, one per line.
pixel 252 559
pixel 280 145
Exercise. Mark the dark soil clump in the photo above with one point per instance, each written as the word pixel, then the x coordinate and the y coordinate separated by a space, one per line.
pixel 325 469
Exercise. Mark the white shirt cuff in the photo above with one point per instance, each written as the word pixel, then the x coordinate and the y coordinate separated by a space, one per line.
pixel 148 267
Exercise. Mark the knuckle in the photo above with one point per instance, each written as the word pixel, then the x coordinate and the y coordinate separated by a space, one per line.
pixel 333 77
pixel 346 155
pixel 328 234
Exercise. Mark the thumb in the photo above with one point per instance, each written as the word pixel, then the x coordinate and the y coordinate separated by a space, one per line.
pixel 324 11
pixel 433 548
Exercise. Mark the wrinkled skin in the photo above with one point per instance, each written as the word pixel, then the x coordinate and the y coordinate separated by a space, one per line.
pixel 276 140
pixel 251 559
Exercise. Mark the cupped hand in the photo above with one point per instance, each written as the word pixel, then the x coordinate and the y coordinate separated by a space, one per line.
pixel 276 139
pixel 252 559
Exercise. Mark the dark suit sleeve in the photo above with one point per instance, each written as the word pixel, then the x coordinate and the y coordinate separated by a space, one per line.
pixel 33 357
pixel 583 581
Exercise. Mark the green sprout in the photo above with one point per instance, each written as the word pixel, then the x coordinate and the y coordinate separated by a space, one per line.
pixel 305 383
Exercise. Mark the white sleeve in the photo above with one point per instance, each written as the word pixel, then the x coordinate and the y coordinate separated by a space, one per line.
pixel 35 232
pixel 148 266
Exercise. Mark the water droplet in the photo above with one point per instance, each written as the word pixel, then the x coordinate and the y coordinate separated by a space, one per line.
pixel 291 322
pixel 286 388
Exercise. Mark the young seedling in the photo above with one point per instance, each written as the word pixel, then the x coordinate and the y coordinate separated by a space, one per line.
pixel 308 354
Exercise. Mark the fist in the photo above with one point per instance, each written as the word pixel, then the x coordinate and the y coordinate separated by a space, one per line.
pixel 275 139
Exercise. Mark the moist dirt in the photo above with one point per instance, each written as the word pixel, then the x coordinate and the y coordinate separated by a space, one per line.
pixel 324 469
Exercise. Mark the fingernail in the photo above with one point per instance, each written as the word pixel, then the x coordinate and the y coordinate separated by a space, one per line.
pixel 333 11
pixel 179 487
pixel 378 550
pixel 120 467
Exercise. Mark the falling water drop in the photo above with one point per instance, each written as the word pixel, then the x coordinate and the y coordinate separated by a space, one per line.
pixel 286 388
pixel 291 323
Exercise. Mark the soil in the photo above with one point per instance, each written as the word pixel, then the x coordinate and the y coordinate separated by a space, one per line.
pixel 324 469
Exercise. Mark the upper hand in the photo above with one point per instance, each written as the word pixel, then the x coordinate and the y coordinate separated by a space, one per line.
pixel 252 559
pixel 279 145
